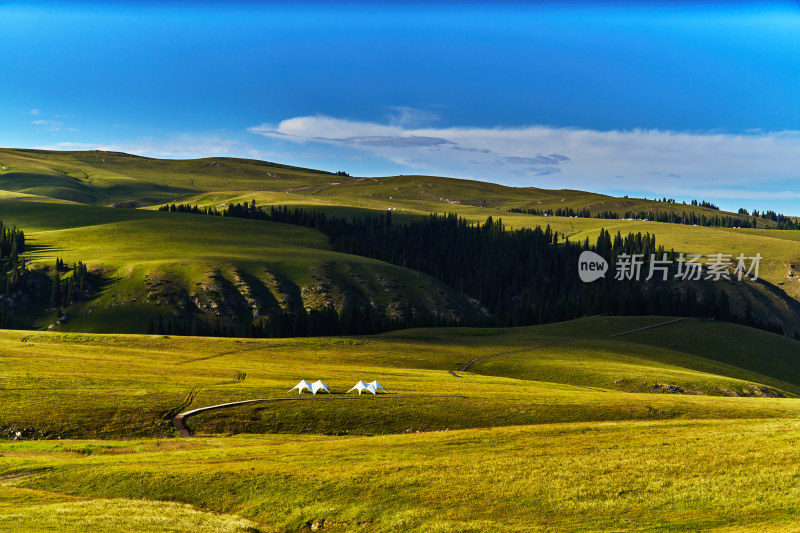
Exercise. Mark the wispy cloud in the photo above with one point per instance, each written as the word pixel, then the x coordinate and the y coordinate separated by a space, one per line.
pixel 411 117
pixel 393 141
pixel 49 125
pixel 664 162
pixel 52 126
pixel 445 151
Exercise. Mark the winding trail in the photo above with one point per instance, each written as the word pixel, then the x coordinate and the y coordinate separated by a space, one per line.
pixel 469 363
pixel 179 419
pixel 646 327
pixel 213 356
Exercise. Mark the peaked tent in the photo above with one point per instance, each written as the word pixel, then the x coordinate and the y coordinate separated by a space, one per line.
pixel 374 386
pixel 302 385
pixel 361 386
pixel 318 386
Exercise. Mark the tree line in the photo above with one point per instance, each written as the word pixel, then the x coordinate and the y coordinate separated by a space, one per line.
pixel 522 277
pixel 671 217
pixel 12 267
pixel 64 292
pixel 783 222
pixel 703 203
pixel 18 284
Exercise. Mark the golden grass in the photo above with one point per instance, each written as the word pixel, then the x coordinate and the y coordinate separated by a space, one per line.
pixel 621 476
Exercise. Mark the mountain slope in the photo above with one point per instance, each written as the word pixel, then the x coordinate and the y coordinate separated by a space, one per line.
pixel 149 264
pixel 107 178
pixel 102 179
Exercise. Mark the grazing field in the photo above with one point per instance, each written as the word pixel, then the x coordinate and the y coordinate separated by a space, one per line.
pixel 108 178
pixel 564 430
pixel 85 386
pixel 645 423
pixel 719 475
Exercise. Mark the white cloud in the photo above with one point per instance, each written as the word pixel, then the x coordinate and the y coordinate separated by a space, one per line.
pixel 52 126
pixel 49 125
pixel 70 146
pixel 302 129
pixel 663 162
pixel 411 117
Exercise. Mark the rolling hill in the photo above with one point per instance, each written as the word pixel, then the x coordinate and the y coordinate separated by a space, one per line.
pixel 604 422
pixel 149 266
pixel 112 386
pixel 671 427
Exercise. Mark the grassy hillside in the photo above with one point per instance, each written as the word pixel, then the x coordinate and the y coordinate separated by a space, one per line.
pixel 106 178
pixel 588 425
pixel 544 439
pixel 150 264
pixel 623 476
pixel 30 177
pixel 111 386
pixel 779 249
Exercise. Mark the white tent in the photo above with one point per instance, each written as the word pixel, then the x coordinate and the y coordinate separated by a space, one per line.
pixel 313 388
pixel 374 386
pixel 318 386
pixel 361 386
pixel 302 385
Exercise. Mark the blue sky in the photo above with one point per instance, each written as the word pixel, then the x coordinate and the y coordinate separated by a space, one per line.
pixel 652 99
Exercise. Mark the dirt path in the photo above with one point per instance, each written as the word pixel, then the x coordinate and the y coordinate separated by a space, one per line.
pixel 465 367
pixel 206 358
pixel 178 421
pixel 469 363
pixel 644 328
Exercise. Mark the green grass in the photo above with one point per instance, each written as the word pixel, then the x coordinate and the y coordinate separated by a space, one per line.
pixel 549 439
pixel 150 262
pixel 691 354
pixel 117 515
pixel 104 178
pixel 574 436
pixel 620 476
pixel 110 385
pixel 420 195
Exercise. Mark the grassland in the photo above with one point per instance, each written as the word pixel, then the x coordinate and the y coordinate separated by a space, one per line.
pixel 684 427
pixel 111 386
pixel 619 476
pixel 151 263
pixel 779 249
pixel 33 181
pixel 107 178
pixel 541 440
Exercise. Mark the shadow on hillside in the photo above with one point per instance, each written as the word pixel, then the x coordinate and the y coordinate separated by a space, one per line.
pixel 60 186
pixel 792 304
pixel 39 249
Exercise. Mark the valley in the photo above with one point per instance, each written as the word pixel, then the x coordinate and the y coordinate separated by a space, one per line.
pixel 643 421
